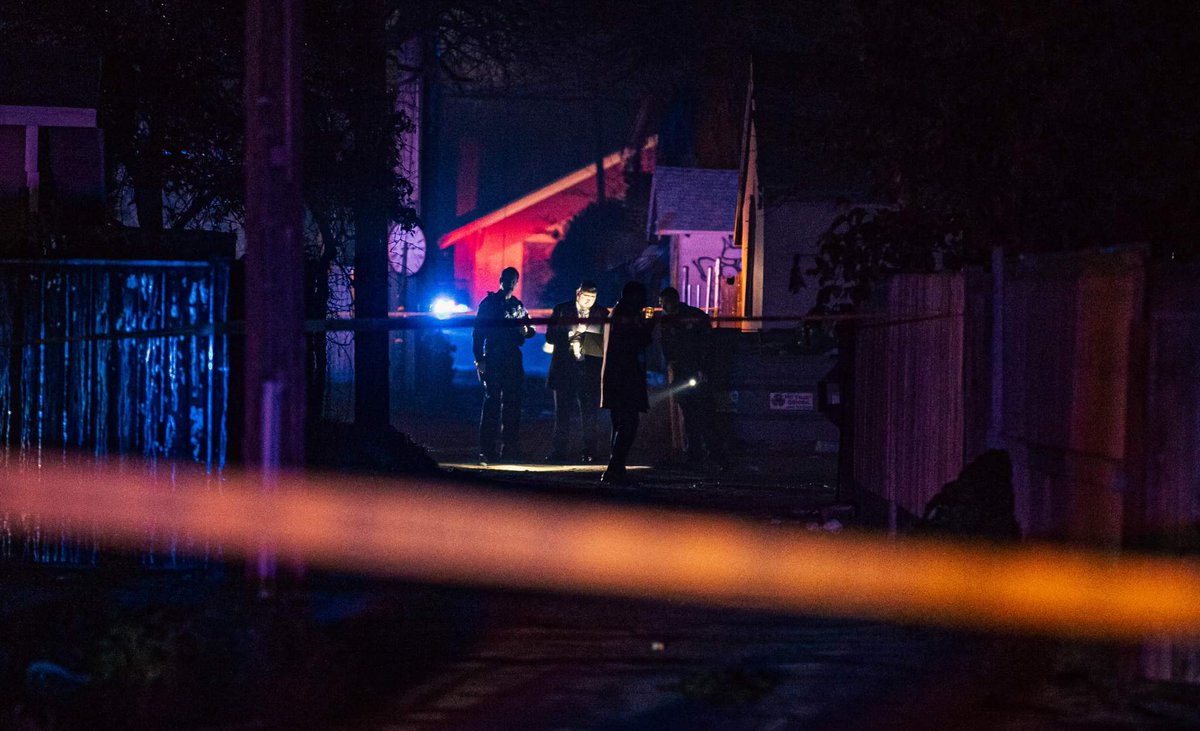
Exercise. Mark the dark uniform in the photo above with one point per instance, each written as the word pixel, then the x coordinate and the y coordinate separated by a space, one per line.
pixel 501 328
pixel 623 376
pixel 575 373
pixel 686 345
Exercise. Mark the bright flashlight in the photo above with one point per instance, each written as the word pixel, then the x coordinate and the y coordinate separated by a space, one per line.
pixel 443 307
pixel 692 382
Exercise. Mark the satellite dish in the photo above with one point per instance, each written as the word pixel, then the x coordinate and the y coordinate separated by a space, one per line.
pixel 406 249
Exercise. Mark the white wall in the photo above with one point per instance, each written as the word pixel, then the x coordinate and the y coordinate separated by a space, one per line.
pixel 792 228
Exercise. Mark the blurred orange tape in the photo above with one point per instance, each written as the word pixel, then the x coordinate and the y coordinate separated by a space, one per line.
pixel 432 532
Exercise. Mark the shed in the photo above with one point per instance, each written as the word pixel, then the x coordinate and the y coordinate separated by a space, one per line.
pixel 695 208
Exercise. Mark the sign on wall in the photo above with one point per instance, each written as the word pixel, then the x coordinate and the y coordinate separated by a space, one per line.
pixel 791 401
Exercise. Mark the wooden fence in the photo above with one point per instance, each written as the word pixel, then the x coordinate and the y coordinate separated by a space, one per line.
pixel 1086 369
pixel 908 398
pixel 1162 505
pixel 1068 327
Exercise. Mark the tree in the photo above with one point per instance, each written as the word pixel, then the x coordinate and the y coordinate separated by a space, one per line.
pixel 171 107
pixel 170 98
pixel 864 245
pixel 1036 127
pixel 602 226
pixel 606 242
pixel 352 186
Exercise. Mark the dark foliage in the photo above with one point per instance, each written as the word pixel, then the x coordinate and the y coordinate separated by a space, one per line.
pixel 125 648
pixel 170 98
pixel 864 245
pixel 1033 126
pixel 595 231
pixel 606 242
pixel 1044 126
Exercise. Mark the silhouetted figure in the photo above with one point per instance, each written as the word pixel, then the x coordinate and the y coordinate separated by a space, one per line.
pixel 576 331
pixel 686 334
pixel 501 328
pixel 623 374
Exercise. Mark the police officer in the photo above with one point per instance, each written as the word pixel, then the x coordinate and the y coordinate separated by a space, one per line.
pixel 576 332
pixel 502 325
pixel 686 344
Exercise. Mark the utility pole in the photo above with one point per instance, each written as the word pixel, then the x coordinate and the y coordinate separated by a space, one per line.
pixel 372 107
pixel 275 398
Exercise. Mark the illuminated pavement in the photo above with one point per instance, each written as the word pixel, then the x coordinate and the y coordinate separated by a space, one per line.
pixel 777 498
pixel 452 433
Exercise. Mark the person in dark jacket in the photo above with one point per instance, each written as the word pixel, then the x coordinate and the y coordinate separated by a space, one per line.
pixel 502 325
pixel 623 374
pixel 576 332
pixel 685 334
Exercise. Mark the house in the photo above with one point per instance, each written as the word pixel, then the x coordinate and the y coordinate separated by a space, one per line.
pixel 524 232
pixel 694 209
pixel 792 182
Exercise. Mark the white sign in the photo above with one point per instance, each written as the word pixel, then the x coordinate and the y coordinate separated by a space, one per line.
pixel 791 401
pixel 406 249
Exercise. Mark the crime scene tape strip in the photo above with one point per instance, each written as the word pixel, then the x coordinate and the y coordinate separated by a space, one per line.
pixel 435 533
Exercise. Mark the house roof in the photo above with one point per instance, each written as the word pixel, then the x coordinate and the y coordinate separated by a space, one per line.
pixel 549 205
pixel 692 199
pixel 795 110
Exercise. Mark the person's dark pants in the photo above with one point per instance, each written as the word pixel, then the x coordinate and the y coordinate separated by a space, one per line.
pixel 699 423
pixel 581 391
pixel 699 428
pixel 503 379
pixel 624 430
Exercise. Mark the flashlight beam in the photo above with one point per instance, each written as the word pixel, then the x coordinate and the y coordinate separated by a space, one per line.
pixel 432 533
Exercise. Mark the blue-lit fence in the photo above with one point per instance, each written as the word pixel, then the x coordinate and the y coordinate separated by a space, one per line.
pixel 110 357
pixel 115 357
